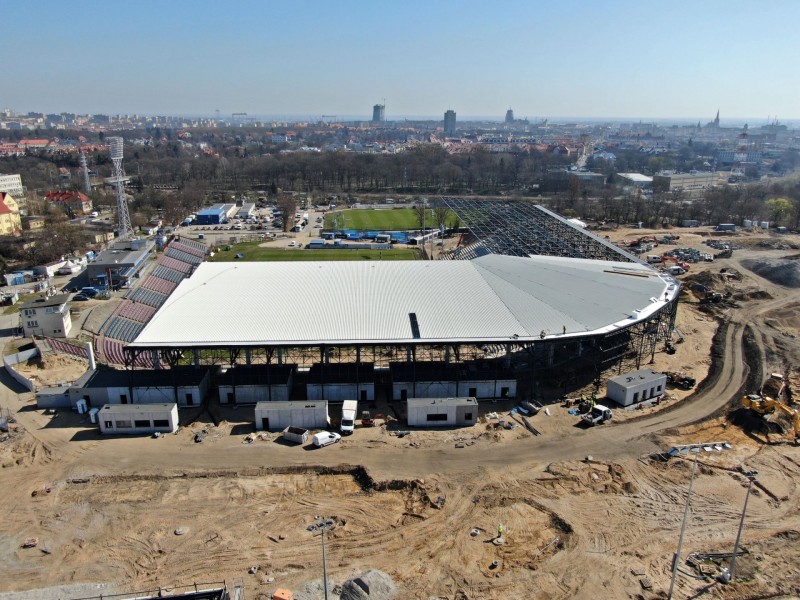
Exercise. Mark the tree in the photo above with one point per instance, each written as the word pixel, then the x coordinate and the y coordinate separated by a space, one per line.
pixel 288 207
pixel 422 213
pixel 780 209
pixel 440 216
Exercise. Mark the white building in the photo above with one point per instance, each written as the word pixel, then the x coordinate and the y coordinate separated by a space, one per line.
pixel 442 412
pixel 693 184
pixel 46 317
pixel 12 184
pixel 276 416
pixel 637 386
pixel 133 419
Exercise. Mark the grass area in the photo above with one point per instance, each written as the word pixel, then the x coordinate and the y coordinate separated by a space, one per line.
pixel 253 253
pixel 400 219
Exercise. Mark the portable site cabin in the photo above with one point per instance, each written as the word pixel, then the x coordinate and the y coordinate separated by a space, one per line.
pixel 137 419
pixel 442 412
pixel 249 384
pixel 276 416
pixel 482 380
pixel 340 381
pixel 637 386
pixel 186 386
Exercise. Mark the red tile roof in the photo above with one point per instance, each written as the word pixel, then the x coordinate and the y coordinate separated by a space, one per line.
pixel 66 196
pixel 4 209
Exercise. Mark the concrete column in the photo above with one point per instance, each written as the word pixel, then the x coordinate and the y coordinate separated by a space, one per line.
pixel 247 356
pixel 196 355
pixel 90 355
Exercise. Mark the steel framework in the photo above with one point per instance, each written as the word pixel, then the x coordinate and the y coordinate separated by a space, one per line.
pixel 125 228
pixel 519 228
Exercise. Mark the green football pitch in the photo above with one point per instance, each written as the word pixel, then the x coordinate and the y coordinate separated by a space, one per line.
pixel 252 252
pixel 399 219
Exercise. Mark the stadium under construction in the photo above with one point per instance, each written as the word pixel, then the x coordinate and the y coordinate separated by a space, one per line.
pixel 527 289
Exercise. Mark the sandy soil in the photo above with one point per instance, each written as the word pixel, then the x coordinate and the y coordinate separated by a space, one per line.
pixel 108 510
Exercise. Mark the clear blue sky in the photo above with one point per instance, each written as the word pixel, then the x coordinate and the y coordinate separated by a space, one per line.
pixel 590 58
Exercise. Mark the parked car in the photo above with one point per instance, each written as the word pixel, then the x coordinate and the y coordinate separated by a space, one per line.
pixel 90 292
pixel 292 244
pixel 325 438
pixel 80 298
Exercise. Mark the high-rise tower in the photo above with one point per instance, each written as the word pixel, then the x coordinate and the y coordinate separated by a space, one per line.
pixel 450 122
pixel 379 113
pixel 125 229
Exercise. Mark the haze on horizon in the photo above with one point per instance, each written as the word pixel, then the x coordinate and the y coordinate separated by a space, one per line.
pixel 644 59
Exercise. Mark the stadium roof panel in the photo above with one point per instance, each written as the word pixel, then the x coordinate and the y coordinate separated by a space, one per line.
pixel 489 299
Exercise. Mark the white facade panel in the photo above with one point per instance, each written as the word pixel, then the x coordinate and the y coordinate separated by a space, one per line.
pixel 338 392
pixel 182 395
pixel 251 394
pixel 423 389
pixel 275 416
pixel 487 388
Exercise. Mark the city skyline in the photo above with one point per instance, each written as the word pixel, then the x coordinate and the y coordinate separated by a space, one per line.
pixel 618 60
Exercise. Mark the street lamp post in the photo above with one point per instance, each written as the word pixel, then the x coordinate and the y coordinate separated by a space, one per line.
pixel 322 526
pixel 685 449
pixel 677 558
pixel 751 476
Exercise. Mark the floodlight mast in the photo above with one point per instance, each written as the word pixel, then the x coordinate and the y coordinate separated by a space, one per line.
pixel 125 229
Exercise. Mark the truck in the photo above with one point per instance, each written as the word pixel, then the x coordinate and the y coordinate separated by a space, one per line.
pixel 298 435
pixel 349 409
pixel 597 414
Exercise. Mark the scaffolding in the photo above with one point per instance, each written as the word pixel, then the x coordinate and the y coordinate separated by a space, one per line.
pixel 520 228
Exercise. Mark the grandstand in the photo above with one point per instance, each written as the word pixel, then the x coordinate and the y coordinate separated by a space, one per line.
pixel 526 229
pixel 180 259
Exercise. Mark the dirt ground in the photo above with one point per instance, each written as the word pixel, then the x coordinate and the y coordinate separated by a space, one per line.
pixel 142 512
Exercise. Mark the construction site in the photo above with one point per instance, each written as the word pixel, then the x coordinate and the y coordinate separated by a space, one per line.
pixel 522 504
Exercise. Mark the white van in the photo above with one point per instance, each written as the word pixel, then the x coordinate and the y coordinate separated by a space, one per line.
pixel 653 259
pixel 349 410
pixel 325 438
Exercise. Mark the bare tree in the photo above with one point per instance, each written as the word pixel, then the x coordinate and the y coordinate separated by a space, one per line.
pixel 288 207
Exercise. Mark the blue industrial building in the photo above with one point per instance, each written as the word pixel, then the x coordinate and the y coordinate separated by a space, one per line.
pixel 215 214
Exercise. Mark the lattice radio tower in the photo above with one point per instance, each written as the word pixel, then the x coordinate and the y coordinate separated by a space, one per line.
pixel 125 230
pixel 87 185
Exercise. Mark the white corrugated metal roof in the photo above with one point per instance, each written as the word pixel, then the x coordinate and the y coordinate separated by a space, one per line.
pixel 490 298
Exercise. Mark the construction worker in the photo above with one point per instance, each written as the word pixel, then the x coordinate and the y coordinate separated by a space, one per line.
pixel 499 531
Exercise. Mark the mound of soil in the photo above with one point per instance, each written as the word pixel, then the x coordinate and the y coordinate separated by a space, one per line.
pixel 779 271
